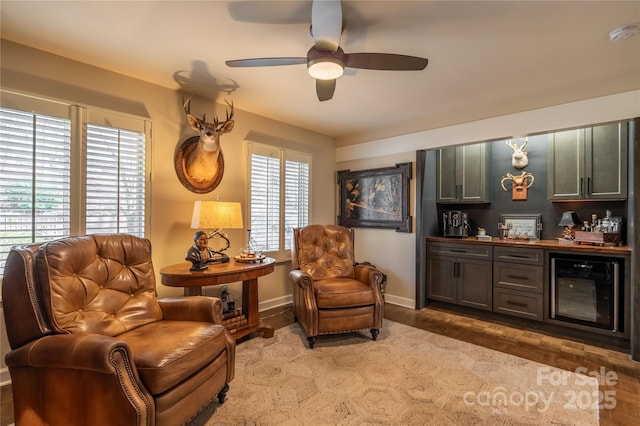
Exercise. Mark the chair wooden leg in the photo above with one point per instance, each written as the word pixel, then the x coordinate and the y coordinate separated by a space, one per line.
pixel 312 341
pixel 223 393
pixel 374 333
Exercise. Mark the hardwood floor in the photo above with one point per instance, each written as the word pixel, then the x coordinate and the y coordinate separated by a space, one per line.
pixel 522 341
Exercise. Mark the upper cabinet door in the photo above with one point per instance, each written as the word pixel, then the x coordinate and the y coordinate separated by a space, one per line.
pixel 461 174
pixel 566 165
pixel 588 163
pixel 447 187
pixel 472 173
pixel 606 161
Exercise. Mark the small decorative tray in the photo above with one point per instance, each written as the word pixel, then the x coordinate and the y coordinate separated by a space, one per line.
pixel 254 259
pixel 598 238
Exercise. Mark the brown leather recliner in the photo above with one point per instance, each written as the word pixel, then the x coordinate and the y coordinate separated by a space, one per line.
pixel 93 345
pixel 331 294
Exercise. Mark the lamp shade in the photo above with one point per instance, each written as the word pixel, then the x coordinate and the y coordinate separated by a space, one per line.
pixel 216 215
pixel 569 218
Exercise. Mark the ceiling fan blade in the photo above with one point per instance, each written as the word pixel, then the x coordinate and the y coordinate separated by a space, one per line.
pixel 326 23
pixel 265 62
pixel 325 89
pixel 384 61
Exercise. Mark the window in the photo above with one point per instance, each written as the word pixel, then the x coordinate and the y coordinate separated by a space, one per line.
pixel 115 195
pixel 56 183
pixel 279 196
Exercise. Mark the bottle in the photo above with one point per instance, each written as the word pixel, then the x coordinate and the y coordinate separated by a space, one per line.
pixel 606 222
pixel 253 245
pixel 224 296
pixel 594 222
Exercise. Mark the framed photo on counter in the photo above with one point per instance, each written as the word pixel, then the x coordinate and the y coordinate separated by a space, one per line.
pixel 520 225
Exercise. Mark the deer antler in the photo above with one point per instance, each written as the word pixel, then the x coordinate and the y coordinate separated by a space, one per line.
pixel 509 176
pixel 229 115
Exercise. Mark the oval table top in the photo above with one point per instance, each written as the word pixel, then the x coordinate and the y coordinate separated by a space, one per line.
pixel 179 275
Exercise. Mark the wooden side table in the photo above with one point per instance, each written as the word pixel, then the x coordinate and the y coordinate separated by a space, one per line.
pixel 179 275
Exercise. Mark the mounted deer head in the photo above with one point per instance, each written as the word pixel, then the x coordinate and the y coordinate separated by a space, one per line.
pixel 199 162
pixel 519 158
pixel 209 132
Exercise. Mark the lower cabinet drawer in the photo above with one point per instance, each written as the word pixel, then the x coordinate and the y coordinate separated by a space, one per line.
pixel 518 303
pixel 518 277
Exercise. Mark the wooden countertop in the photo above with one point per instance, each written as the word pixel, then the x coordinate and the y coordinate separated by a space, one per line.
pixel 543 244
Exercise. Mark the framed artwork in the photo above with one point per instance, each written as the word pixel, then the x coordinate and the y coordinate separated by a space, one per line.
pixel 375 198
pixel 519 225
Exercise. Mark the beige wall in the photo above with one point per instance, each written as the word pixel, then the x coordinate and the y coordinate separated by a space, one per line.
pixel 36 72
pixel 392 252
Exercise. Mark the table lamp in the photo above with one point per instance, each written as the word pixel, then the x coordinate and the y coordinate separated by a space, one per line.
pixel 569 220
pixel 216 215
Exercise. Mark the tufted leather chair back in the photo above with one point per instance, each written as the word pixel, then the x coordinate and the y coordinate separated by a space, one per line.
pixel 103 284
pixel 324 251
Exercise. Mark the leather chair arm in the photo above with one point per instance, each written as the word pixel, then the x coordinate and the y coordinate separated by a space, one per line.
pixel 192 308
pixel 99 375
pixel 93 352
pixel 301 279
pixel 369 275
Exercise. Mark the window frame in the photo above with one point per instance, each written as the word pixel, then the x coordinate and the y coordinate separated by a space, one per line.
pixel 285 154
pixel 80 116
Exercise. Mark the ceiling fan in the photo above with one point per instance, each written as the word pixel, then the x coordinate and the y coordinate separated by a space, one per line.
pixel 326 60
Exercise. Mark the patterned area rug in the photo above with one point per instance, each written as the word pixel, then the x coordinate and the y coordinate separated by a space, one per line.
pixel 407 377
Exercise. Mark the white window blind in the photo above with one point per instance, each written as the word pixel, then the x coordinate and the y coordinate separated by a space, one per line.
pixel 296 195
pixel 279 196
pixel 68 170
pixel 35 186
pixel 115 189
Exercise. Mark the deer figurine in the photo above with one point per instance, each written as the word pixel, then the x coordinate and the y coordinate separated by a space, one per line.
pixel 519 158
pixel 199 160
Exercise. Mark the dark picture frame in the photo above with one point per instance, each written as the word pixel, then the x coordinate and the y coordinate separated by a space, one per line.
pixel 375 198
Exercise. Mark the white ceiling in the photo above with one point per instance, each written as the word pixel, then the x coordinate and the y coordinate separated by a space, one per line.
pixel 486 59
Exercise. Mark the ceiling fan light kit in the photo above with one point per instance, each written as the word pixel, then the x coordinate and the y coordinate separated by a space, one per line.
pixel 326 60
pixel 324 64
pixel 325 68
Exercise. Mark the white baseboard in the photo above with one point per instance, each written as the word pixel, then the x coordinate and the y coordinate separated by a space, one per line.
pixel 275 303
pixel 5 377
pixel 400 301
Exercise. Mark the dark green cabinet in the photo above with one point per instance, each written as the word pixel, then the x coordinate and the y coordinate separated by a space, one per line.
pixel 589 163
pixel 460 274
pixel 461 174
